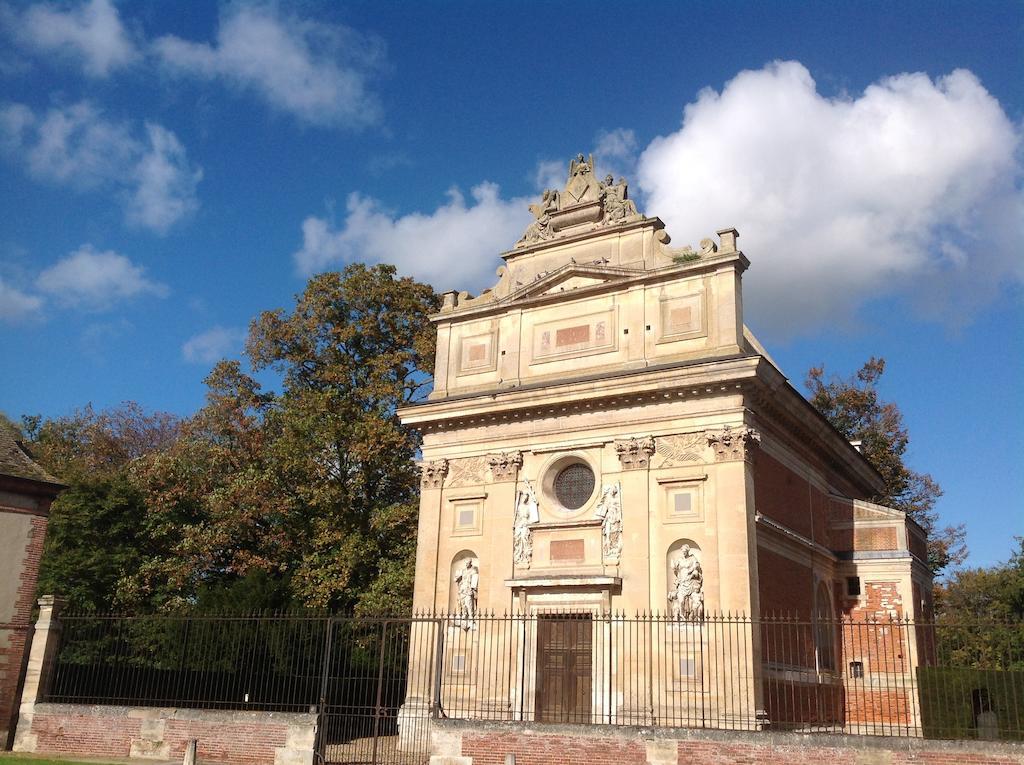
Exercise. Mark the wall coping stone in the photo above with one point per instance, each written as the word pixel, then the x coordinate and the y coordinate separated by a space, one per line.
pixel 177 713
pixel 754 738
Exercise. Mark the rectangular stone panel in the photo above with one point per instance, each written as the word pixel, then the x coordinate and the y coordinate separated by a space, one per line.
pixel 575 336
pixel 477 354
pixel 682 317
pixel 566 550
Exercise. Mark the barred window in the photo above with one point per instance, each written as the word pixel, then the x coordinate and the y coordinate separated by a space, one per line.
pixel 574 485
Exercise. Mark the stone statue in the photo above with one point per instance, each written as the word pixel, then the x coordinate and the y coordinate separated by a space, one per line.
pixel 468 582
pixel 609 510
pixel 686 597
pixel 527 513
pixel 617 205
pixel 540 229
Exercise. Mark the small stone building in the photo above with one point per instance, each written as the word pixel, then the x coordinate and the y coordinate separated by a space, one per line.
pixel 26 491
pixel 605 434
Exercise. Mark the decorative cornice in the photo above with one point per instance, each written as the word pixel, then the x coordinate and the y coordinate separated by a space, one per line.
pixel 733 443
pixel 432 474
pixel 635 387
pixel 635 453
pixel 505 466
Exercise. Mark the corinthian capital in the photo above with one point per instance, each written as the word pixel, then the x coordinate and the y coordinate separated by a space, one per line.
pixel 505 465
pixel 635 453
pixel 732 443
pixel 432 473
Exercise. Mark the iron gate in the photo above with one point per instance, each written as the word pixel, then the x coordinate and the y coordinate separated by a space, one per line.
pixel 371 666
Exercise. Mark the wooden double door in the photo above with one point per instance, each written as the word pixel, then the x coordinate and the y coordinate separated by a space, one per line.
pixel 564 668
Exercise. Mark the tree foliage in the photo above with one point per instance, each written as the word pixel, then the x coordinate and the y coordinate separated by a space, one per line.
pixel 96 533
pixel 981 613
pixel 855 409
pixel 308 496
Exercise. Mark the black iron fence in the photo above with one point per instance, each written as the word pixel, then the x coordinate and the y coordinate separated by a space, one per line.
pixel 373 678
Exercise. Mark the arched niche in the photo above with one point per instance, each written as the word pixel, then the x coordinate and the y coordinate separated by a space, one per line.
pixel 458 565
pixel 684 580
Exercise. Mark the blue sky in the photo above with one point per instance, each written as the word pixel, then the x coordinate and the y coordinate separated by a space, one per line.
pixel 170 169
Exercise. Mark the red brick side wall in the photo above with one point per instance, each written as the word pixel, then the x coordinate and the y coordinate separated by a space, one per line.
pixel 239 738
pixel 785 588
pixel 782 495
pixel 875 538
pixel 578 745
pixel 14 635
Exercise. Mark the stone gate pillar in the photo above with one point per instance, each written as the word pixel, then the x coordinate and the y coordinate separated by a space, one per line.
pixel 39 673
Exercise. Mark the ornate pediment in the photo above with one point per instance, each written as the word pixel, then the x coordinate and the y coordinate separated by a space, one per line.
pixel 570 277
pixel 583 204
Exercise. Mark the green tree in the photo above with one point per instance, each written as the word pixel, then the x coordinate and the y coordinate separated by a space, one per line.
pixel 853 406
pixel 981 615
pixel 309 495
pixel 96 534
pixel 995 593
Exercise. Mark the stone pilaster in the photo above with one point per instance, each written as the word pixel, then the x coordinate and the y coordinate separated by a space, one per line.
pixel 39 672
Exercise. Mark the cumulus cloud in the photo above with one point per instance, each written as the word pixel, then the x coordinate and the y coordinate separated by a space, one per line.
pixel 315 71
pixel 78 146
pixel 95 280
pixel 458 240
pixel 912 187
pixel 16 305
pixel 91 33
pixel 212 345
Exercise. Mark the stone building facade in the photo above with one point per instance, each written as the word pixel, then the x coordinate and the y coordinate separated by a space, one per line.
pixel 605 434
pixel 26 491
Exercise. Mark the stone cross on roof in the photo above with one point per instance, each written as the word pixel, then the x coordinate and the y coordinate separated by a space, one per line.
pixel 584 203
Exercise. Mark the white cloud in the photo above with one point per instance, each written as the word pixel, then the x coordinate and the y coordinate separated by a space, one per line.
pixel 165 183
pixel 212 345
pixel 455 243
pixel 90 32
pixel 78 146
pixel 615 152
pixel 16 305
pixel 315 71
pixel 96 280
pixel 912 187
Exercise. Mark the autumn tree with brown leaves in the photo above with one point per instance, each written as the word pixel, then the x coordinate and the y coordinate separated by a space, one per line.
pixel 854 408
pixel 308 496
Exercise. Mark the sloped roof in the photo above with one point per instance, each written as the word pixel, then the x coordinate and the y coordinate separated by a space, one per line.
pixel 16 461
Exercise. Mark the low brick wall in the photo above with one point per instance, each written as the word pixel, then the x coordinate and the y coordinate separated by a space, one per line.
pixel 237 738
pixel 467 742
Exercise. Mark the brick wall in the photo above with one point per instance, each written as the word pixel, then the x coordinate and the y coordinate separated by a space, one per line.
pixel 875 538
pixel 14 634
pixel 782 495
pixel 784 586
pixel 482 743
pixel 238 738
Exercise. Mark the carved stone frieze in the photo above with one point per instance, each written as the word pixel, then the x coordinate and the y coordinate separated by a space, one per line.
pixel 469 471
pixel 505 466
pixel 733 443
pixel 432 474
pixel 682 449
pixel 635 453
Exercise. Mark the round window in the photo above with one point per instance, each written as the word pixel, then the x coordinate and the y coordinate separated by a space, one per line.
pixel 574 485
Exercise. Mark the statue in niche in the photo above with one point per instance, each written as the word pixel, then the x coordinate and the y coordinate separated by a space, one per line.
pixel 617 204
pixel 609 510
pixel 527 513
pixel 467 580
pixel 686 597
